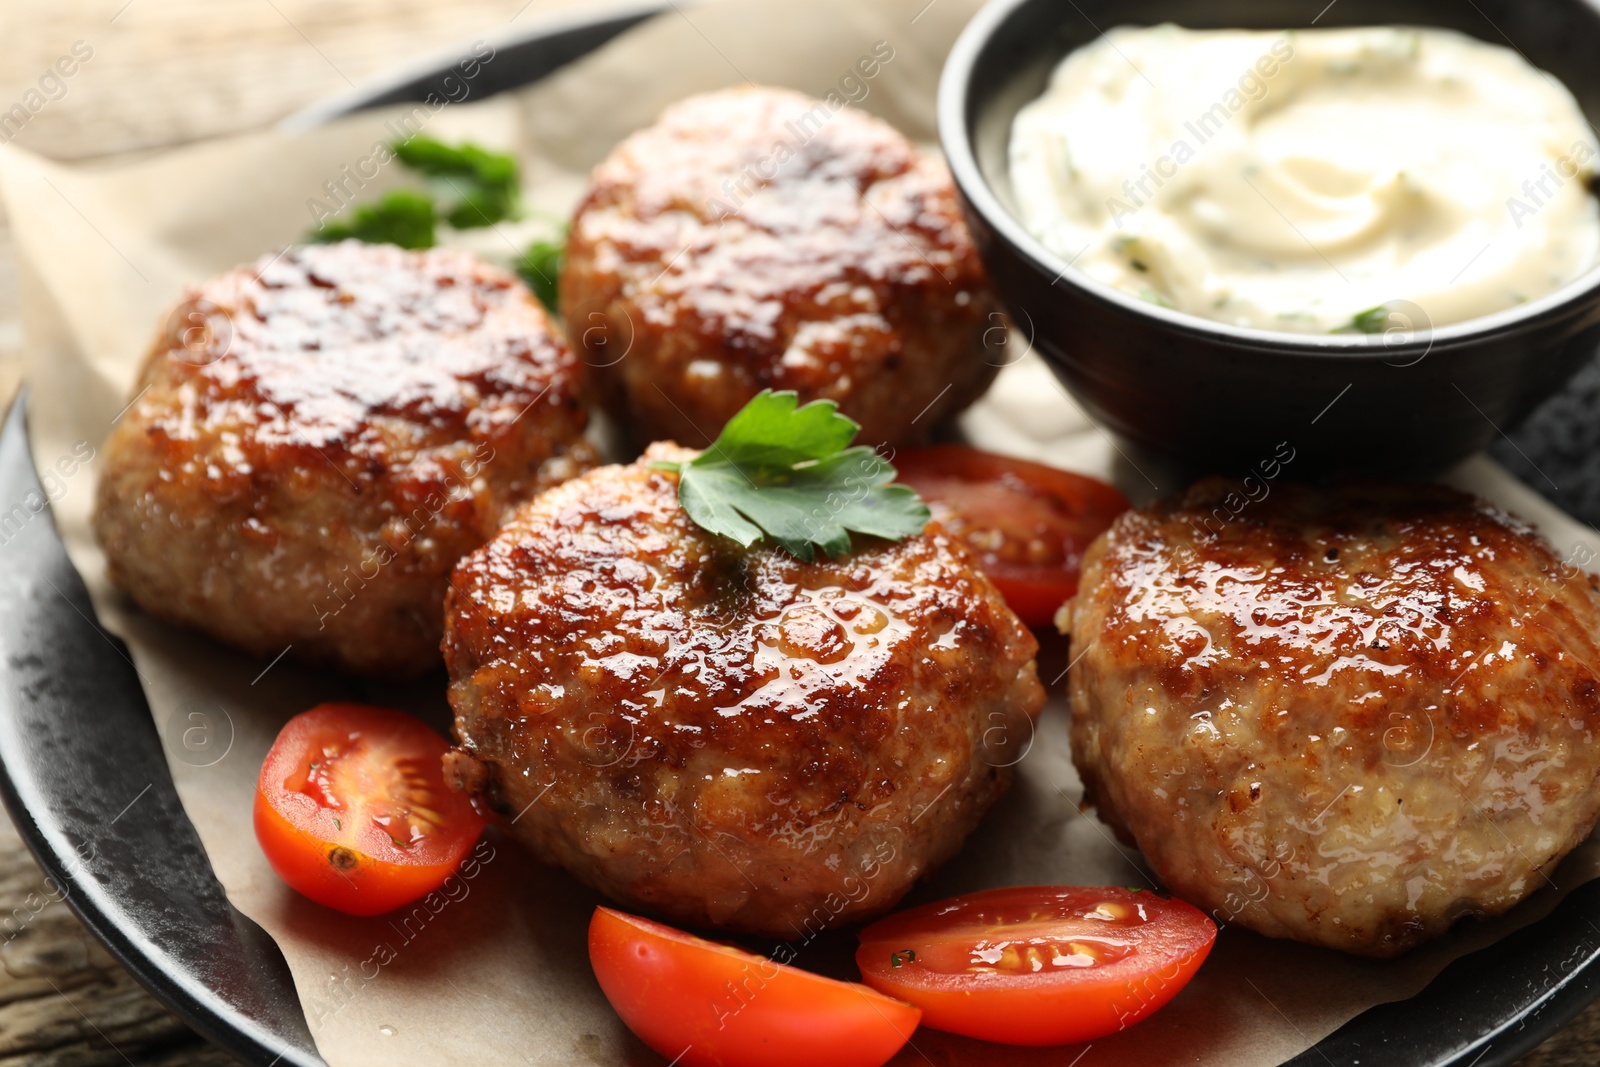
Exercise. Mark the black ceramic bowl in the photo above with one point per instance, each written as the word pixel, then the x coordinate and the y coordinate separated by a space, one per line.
pixel 1412 400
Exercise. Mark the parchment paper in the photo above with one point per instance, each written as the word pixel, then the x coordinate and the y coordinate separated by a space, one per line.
pixel 496 972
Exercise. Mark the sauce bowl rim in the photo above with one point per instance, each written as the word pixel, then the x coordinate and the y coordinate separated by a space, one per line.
pixel 954 98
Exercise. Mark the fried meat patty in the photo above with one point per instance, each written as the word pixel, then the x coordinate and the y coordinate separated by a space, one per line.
pixel 729 737
pixel 318 438
pixel 753 238
pixel 1347 717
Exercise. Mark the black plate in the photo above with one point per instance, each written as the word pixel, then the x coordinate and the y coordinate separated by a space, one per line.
pixel 78 747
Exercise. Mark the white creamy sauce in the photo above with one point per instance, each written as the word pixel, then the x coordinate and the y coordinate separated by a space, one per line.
pixel 1299 180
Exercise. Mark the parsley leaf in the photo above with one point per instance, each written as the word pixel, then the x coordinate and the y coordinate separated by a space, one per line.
pixel 475 187
pixel 540 267
pixel 403 217
pixel 468 187
pixel 788 473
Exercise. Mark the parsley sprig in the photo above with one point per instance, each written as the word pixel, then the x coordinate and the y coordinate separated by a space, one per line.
pixel 402 217
pixel 788 473
pixel 468 187
pixel 474 187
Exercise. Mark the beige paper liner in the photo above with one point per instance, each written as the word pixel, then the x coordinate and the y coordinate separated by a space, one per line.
pixel 498 972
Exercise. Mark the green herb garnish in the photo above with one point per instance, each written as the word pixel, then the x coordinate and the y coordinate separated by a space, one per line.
pixel 403 217
pixel 1372 320
pixel 468 187
pixel 789 473
pixel 474 187
pixel 540 267
pixel 904 956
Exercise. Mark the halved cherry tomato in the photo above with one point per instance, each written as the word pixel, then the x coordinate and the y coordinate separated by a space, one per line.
pixel 1028 524
pixel 1040 965
pixel 352 809
pixel 701 1004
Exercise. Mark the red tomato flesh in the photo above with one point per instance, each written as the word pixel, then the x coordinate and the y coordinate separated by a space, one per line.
pixel 1028 524
pixel 1040 965
pixel 701 1004
pixel 352 809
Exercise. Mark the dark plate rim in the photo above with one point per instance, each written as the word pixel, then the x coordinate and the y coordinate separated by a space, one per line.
pixel 169 922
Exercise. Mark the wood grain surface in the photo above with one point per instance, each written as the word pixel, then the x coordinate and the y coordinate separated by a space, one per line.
pixel 163 72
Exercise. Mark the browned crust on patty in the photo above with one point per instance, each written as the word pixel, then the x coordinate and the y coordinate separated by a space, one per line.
pixel 754 238
pixel 729 737
pixel 318 437
pixel 1348 716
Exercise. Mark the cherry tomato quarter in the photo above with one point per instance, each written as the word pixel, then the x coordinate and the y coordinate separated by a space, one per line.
pixel 352 809
pixel 1040 965
pixel 703 1004
pixel 1028 524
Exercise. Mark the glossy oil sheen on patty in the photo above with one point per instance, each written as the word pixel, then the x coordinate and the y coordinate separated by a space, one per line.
pixel 318 437
pixel 730 737
pixel 753 238
pixel 1348 717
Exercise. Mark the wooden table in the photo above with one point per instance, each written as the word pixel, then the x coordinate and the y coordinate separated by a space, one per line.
pixel 164 72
